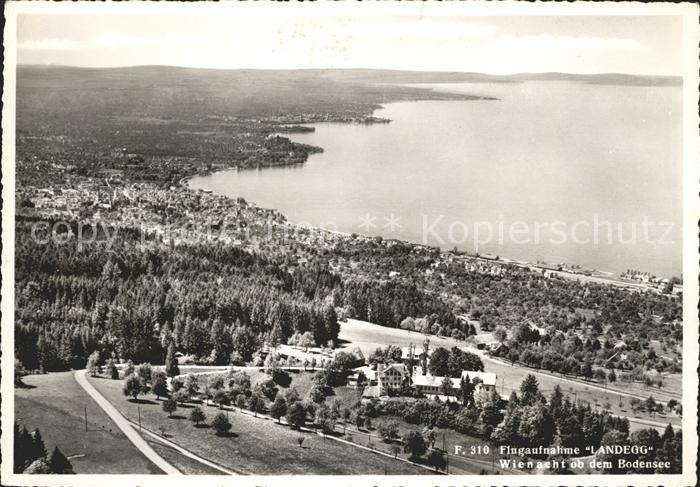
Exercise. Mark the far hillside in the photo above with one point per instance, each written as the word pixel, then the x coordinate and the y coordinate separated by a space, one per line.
pixel 167 92
pixel 159 124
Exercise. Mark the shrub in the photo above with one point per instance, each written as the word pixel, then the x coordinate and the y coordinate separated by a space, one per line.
pixel 169 406
pixel 281 377
pixel 197 415
pixel 436 459
pixel 268 389
pixel 159 385
pixel 389 431
pixel 221 424
pixel 93 363
pixel 133 386
pixel 414 444
pixel 59 463
pixel 296 415
pixel 111 369
pixel 278 408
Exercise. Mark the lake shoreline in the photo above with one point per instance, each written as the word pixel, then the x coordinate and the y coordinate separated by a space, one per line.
pixel 460 162
pixel 599 277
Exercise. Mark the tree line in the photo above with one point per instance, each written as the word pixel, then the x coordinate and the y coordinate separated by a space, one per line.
pixel 30 456
pixel 214 302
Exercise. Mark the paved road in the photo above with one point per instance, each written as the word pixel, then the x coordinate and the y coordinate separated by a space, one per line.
pixel 125 426
pixel 569 380
pixel 218 369
pixel 558 377
pixel 649 422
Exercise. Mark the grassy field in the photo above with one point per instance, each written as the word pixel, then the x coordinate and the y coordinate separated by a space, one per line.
pixel 467 464
pixel 445 439
pixel 672 387
pixel 303 381
pixel 55 404
pixel 369 336
pixel 184 464
pixel 255 446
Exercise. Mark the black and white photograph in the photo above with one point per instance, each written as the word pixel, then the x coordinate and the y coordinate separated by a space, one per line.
pixel 396 243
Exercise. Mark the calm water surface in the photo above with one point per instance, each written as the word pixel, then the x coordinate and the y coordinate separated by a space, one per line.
pixel 565 157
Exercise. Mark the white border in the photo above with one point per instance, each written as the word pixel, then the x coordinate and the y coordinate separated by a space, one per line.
pixel 691 216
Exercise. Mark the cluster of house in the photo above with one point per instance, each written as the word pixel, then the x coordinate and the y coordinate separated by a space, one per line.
pixel 651 281
pixel 301 354
pixel 298 356
pixel 381 379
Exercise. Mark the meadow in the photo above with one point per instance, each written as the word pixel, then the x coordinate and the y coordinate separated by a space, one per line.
pixel 56 405
pixel 254 445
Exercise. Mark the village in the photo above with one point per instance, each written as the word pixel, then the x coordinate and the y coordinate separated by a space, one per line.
pixel 184 215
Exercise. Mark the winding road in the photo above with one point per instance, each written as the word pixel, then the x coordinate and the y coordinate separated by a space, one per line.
pixel 124 425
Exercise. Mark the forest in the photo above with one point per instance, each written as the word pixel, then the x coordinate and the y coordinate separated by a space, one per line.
pixel 212 301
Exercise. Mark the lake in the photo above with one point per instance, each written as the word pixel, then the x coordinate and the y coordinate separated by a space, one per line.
pixel 553 171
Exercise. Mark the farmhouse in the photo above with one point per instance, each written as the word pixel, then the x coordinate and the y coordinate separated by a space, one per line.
pixel 362 375
pixel 413 355
pixel 298 353
pixel 384 378
pixel 430 385
pixel 485 340
pixel 390 377
pixel 499 348
pixel 539 329
pixel 487 380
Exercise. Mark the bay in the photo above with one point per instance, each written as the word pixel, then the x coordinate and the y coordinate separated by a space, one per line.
pixel 555 171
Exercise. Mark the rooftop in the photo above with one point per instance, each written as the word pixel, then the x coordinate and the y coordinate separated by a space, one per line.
pixel 433 381
pixel 488 378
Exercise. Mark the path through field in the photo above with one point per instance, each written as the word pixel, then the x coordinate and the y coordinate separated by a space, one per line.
pixel 124 425
pixel 70 419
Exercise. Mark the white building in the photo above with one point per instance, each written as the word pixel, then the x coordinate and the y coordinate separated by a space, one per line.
pixel 542 331
pixel 487 380
pixel 390 377
pixel 430 385
pixel 380 380
pixel 369 374
pixel 417 354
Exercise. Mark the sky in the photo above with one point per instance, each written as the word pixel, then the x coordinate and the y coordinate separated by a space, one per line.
pixel 493 44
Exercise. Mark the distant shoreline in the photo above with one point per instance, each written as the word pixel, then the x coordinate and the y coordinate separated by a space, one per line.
pixel 596 275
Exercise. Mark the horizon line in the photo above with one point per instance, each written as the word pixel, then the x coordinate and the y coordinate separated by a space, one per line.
pixel 396 70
